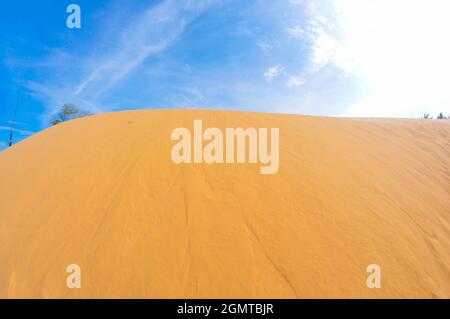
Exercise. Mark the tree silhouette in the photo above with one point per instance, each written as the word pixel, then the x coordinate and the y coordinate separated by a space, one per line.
pixel 441 116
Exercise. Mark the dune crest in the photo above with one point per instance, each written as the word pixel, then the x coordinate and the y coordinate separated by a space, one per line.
pixel 102 192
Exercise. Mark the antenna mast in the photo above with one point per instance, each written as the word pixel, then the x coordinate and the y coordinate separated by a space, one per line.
pixel 13 122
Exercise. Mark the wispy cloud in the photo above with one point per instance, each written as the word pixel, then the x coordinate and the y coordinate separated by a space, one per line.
pixel 272 72
pixel 295 31
pixel 93 77
pixel 21 132
pixel 55 58
pixel 263 45
pixel 295 81
pixel 151 32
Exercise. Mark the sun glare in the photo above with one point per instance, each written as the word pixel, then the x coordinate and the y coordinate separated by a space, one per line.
pixel 401 50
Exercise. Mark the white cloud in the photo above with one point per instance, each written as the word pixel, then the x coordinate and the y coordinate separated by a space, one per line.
pixel 295 81
pixel 263 45
pixel 272 72
pixel 295 31
pixel 325 46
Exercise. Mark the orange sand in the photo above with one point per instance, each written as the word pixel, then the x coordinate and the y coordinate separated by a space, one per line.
pixel 102 192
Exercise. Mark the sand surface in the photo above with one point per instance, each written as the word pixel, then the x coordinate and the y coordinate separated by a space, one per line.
pixel 102 192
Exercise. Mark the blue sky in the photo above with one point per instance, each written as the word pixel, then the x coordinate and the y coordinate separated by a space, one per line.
pixel 330 57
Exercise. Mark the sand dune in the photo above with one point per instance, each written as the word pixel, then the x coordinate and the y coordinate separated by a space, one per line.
pixel 102 192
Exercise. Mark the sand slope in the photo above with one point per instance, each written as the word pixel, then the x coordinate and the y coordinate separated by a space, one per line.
pixel 102 192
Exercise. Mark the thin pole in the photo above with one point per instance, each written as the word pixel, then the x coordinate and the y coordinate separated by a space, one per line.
pixel 13 122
